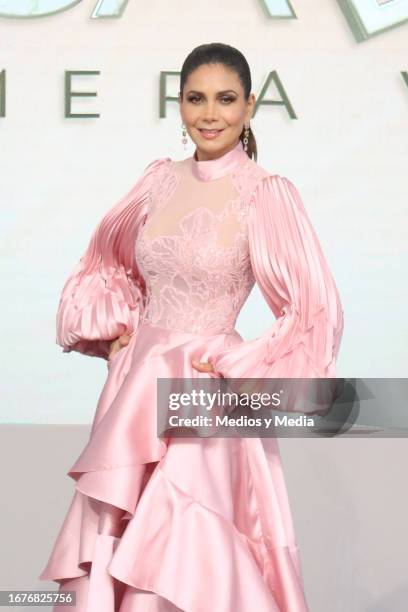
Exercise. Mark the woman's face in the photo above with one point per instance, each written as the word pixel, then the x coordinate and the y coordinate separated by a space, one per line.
pixel 213 99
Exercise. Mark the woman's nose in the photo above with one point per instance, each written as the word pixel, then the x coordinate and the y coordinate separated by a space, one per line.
pixel 210 112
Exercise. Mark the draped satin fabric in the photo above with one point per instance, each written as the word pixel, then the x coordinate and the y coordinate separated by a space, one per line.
pixel 103 296
pixel 295 280
pixel 208 522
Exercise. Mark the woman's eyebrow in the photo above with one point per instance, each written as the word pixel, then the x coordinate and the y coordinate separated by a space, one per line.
pixel 219 92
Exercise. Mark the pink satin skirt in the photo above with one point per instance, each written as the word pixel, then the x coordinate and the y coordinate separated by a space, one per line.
pixel 207 525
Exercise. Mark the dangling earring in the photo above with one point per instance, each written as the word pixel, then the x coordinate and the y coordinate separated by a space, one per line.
pixel 246 140
pixel 184 136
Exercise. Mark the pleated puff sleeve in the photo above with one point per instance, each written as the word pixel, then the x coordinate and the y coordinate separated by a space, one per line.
pixel 103 296
pixel 294 277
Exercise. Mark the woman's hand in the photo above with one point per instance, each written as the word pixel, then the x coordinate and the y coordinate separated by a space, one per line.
pixel 202 366
pixel 118 344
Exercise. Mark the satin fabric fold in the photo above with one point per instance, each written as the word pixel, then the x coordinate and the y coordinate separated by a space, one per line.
pixel 103 296
pixel 295 280
pixel 201 537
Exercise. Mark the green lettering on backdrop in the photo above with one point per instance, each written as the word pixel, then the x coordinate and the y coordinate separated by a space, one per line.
pixel 163 96
pixel 284 101
pixel 366 18
pixel 30 9
pixel 69 94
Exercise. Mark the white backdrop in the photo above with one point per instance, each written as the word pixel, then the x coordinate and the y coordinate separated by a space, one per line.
pixel 346 153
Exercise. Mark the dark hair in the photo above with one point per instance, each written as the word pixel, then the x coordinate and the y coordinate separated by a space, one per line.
pixel 220 53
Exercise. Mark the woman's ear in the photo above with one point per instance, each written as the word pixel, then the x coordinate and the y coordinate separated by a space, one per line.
pixel 251 107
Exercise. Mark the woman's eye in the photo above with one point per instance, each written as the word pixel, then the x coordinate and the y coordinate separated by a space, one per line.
pixel 225 99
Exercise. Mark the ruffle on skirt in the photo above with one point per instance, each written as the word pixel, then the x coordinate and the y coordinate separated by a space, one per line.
pixel 209 526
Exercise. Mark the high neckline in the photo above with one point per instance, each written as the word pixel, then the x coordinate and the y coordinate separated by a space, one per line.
pixel 210 169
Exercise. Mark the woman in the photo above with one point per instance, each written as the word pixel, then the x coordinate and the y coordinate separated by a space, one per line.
pixel 192 524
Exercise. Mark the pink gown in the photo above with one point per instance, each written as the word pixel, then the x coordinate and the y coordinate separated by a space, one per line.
pixel 207 523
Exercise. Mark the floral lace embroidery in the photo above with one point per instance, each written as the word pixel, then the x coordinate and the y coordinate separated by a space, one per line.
pixel 193 282
pixel 245 179
pixel 163 186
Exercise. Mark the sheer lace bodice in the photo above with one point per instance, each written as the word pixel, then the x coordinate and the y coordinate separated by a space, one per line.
pixel 193 249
